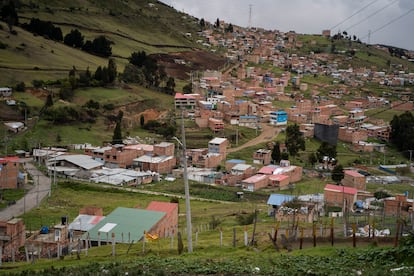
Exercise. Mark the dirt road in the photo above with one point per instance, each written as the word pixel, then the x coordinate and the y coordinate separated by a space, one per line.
pixel 39 190
pixel 268 133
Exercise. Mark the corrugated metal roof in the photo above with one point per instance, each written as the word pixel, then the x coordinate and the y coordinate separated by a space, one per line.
pixel 217 141
pixel 340 189
pixel 84 161
pixel 279 199
pixel 153 159
pixel 125 220
pixel 85 222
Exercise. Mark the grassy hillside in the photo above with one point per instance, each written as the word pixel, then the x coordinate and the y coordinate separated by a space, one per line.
pixel 130 25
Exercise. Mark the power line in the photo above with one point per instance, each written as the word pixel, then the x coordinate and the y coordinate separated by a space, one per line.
pixel 355 13
pixel 390 22
pixel 372 14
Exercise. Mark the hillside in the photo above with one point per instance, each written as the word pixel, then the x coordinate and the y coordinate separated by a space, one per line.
pixel 130 26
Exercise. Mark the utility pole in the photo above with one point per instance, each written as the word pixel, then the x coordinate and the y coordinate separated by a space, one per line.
pixel 186 186
pixel 411 154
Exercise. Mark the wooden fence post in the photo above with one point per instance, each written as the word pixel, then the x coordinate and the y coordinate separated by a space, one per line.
pixel 196 237
pixel 246 242
pixel 314 234
pixel 234 236
pixel 221 237
pixel 113 244
pixel 332 231
pixel 99 238
pixel 353 235
pixel 301 238
pixel 397 233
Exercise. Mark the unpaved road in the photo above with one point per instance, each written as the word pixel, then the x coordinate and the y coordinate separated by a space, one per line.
pixel 268 133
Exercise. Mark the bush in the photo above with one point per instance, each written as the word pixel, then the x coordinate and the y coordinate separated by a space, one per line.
pixel 20 87
pixel 245 219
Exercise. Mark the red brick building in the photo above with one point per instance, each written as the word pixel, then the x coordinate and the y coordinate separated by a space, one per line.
pixel 354 179
pixel 12 237
pixel 398 206
pixel 9 171
pixel 255 182
pixel 169 223
pixel 262 156
pixel 335 195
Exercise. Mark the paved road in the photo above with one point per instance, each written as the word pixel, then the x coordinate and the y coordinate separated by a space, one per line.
pixel 39 190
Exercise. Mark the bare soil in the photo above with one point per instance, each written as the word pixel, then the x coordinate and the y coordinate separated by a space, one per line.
pixel 179 65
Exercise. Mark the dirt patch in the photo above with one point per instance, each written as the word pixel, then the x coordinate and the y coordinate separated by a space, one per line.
pixel 179 65
pixel 38 93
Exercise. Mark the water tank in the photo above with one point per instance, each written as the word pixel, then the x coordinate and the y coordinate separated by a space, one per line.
pixel 64 220
pixel 44 230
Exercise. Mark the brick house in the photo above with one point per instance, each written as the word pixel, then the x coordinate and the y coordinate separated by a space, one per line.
pixel 398 206
pixel 169 222
pixel 262 156
pixel 354 179
pixel 120 157
pixel 9 171
pixel 218 145
pixel 352 135
pixel 185 101
pixel 160 164
pixel 215 124
pixel 12 237
pixel 255 182
pixel 164 148
pixel 280 181
pixel 335 195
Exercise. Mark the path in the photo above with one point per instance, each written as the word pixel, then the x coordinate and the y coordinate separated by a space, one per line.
pixel 39 190
pixel 268 133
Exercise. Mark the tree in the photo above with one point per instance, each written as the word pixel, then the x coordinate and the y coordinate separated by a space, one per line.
pixel 312 158
pixel 294 140
pixel 276 157
pixel 142 121
pixel 188 88
pixel 117 137
pixel 326 149
pixel 229 28
pixel 49 100
pixel 100 46
pixel 133 74
pixel 9 15
pixel 74 39
pixel 338 173
pixel 202 23
pixel 217 25
pixel 138 58
pixel 112 73
pixel 170 86
pixel 402 132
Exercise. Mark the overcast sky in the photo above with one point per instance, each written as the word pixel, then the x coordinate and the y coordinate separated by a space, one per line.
pixel 391 22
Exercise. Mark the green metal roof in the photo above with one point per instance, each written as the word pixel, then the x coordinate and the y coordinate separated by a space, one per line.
pixel 125 220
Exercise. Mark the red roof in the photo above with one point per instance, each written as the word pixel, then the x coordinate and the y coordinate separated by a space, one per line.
pixel 9 159
pixel 340 189
pixel 160 206
pixel 353 173
pixel 183 96
pixel 278 177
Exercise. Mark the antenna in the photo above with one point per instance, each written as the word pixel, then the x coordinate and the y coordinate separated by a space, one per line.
pixel 250 16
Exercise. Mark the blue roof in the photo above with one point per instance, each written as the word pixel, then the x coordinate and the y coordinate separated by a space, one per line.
pixel 279 199
pixel 236 161
pixel 248 116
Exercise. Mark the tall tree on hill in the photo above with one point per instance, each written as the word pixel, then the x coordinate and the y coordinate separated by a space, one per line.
pixel 337 174
pixel 276 156
pixel 402 132
pixel 112 73
pixel 117 137
pixel 294 140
